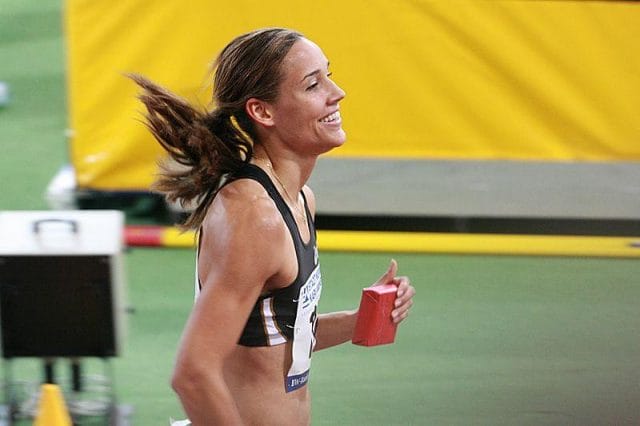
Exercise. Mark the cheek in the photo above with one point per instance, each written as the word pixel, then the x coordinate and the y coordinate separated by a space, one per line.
pixel 303 114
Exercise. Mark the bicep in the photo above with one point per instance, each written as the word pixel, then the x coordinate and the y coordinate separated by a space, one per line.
pixel 218 317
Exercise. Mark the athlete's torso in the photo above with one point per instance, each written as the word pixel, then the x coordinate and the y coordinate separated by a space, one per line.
pixel 286 315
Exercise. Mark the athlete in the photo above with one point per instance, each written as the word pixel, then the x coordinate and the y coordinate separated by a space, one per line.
pixel 245 354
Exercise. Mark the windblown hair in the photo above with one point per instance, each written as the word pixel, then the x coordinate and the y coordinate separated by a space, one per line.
pixel 209 146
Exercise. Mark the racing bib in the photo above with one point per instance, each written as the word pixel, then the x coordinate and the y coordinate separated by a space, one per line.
pixel 304 332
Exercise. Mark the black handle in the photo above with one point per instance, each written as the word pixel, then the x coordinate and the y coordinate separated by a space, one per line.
pixel 73 225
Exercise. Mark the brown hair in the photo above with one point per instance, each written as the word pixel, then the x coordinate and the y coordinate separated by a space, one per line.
pixel 209 145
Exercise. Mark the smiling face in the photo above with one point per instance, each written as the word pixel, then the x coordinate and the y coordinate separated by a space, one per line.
pixel 306 114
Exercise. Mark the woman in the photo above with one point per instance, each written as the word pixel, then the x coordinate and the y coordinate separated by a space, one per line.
pixel 245 353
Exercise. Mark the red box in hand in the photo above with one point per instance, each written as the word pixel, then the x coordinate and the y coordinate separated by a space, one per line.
pixel 374 325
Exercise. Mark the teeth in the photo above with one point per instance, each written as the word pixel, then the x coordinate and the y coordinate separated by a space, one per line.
pixel 333 117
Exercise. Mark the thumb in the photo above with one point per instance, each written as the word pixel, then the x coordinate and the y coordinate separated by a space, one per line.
pixel 387 277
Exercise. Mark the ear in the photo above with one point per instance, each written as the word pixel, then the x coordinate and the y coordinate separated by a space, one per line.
pixel 259 111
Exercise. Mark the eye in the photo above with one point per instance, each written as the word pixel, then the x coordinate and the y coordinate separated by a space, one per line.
pixel 312 86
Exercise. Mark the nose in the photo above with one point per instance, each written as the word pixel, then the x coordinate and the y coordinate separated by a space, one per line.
pixel 337 94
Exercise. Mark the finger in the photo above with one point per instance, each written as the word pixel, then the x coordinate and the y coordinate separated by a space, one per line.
pixel 403 316
pixel 402 283
pixel 399 316
pixel 405 294
pixel 403 305
pixel 387 277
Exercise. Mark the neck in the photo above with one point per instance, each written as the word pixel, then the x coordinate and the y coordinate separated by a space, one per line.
pixel 291 170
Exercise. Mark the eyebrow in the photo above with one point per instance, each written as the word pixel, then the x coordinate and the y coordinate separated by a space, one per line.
pixel 312 73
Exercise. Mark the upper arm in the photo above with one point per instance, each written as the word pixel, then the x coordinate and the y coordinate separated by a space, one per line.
pixel 238 255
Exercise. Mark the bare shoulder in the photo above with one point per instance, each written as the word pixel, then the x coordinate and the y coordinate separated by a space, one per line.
pixel 244 205
pixel 243 230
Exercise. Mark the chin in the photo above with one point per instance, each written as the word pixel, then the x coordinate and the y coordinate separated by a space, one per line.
pixel 326 146
pixel 330 142
pixel 338 140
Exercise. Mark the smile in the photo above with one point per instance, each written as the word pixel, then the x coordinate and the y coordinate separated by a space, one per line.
pixel 333 117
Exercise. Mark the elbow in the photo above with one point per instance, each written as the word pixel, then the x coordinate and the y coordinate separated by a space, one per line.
pixel 186 381
pixel 180 382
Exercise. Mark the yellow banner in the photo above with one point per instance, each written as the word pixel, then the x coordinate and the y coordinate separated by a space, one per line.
pixel 460 79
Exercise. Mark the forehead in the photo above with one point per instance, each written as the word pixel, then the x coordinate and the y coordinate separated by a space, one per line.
pixel 304 57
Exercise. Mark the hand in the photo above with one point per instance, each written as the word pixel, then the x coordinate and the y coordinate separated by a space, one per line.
pixel 404 295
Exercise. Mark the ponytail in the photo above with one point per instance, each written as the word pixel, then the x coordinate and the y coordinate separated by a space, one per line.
pixel 206 146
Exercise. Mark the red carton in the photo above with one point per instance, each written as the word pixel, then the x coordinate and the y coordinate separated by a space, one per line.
pixel 374 325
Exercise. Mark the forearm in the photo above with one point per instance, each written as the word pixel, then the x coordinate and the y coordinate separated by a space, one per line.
pixel 335 328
